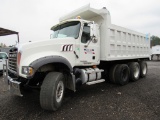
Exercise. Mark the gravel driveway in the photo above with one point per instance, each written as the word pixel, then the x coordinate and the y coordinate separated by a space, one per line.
pixel 138 100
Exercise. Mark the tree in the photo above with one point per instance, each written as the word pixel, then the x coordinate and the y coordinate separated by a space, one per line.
pixel 155 40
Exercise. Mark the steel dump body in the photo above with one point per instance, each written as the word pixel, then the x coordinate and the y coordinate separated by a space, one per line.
pixel 116 43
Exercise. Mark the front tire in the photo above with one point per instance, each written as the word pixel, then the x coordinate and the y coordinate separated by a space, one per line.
pixel 52 91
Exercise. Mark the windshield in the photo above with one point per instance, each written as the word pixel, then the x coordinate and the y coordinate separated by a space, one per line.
pixel 3 56
pixel 69 29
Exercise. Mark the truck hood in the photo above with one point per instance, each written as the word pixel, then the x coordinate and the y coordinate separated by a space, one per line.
pixel 52 44
pixel 32 51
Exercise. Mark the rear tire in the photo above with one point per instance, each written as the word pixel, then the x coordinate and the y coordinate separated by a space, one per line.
pixel 122 74
pixel 105 75
pixel 52 91
pixel 134 71
pixel 112 73
pixel 143 68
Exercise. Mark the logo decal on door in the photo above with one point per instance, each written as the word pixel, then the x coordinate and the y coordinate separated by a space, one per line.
pixel 89 51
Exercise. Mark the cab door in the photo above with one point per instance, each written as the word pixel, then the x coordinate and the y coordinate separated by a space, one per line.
pixel 89 50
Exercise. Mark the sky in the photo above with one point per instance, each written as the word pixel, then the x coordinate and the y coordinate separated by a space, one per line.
pixel 34 18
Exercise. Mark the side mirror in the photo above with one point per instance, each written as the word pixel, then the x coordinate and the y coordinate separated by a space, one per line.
pixel 93 33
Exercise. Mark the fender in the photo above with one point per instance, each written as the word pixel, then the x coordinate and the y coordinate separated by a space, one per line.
pixel 55 59
pixel 50 59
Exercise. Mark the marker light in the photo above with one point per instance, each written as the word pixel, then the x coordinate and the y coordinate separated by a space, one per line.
pixel 78 17
pixel 18 58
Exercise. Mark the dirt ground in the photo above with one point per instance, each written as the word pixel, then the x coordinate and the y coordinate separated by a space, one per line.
pixel 136 101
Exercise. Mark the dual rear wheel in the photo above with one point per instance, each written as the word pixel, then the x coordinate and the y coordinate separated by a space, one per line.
pixel 119 74
pixel 122 73
pixel 134 68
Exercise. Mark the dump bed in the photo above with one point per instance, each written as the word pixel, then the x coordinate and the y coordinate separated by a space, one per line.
pixel 117 43
pixel 123 43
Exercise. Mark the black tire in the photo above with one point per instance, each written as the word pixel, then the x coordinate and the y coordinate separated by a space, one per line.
pixel 1 74
pixel 134 71
pixel 143 68
pixel 53 83
pixel 122 74
pixel 151 57
pixel 105 75
pixel 112 73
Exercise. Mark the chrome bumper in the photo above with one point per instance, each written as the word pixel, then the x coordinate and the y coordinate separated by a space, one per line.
pixel 10 83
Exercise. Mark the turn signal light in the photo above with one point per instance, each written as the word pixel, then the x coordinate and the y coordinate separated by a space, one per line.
pixel 18 58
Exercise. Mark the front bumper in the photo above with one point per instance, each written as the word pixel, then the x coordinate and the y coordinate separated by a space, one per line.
pixel 11 83
pixel 14 86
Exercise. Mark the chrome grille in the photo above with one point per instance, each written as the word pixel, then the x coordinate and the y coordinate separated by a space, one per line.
pixel 12 60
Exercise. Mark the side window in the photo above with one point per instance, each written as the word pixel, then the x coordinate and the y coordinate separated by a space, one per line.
pixel 86 34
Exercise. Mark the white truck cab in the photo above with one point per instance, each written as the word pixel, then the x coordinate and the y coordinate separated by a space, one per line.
pixel 86 50
pixel 86 44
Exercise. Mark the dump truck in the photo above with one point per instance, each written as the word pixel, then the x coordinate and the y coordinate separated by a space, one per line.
pixel 85 49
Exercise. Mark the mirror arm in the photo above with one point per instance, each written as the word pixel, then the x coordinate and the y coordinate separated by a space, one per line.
pixel 88 43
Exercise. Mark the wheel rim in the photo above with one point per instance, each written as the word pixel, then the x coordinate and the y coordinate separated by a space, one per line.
pixel 144 69
pixel 59 91
pixel 136 72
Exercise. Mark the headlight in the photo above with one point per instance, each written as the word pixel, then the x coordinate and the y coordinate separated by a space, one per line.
pixel 27 70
